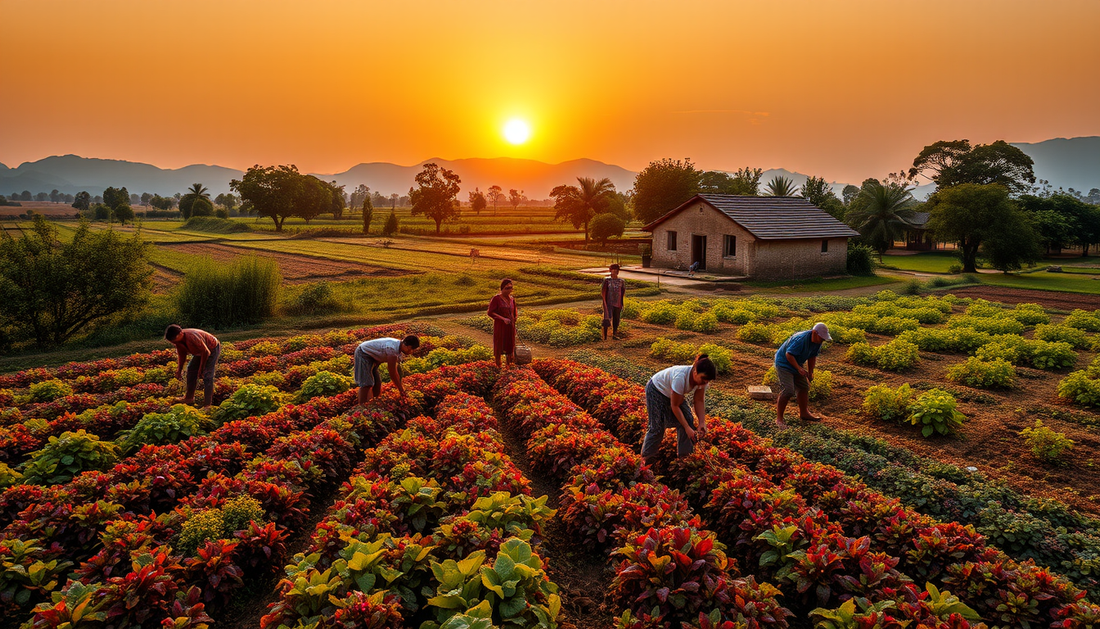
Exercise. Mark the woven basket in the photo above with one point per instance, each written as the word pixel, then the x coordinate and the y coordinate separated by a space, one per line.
pixel 523 355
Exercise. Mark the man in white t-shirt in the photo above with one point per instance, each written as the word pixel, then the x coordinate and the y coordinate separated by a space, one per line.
pixel 666 397
pixel 370 354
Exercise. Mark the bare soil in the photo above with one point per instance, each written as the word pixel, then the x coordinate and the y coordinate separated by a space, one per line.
pixel 296 268
pixel 1049 299
pixel 164 278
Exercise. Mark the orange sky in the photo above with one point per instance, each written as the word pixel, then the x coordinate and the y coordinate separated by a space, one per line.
pixel 845 90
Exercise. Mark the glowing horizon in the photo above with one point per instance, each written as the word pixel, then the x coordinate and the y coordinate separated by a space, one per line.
pixel 842 90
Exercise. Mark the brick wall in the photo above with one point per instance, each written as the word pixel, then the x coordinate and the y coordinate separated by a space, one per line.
pixel 763 260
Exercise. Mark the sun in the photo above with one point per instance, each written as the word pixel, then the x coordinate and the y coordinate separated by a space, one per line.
pixel 516 131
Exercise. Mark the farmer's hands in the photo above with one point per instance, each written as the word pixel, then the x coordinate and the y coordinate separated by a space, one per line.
pixel 506 320
pixel 692 434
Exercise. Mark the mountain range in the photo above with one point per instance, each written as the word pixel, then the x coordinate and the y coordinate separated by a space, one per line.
pixel 1065 163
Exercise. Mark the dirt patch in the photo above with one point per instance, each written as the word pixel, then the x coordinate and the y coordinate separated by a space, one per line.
pixel 164 278
pixel 296 268
pixel 1049 299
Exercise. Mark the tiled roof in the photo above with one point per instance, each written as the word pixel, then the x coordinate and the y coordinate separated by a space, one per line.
pixel 771 218
pixel 918 219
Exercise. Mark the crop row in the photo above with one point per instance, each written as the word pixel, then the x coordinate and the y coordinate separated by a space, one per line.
pixel 171 532
pixel 673 572
pixel 774 507
pixel 436 528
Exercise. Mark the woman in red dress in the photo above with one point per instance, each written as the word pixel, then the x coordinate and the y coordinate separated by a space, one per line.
pixel 502 310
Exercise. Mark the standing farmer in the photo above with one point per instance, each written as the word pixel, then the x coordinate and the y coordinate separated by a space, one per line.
pixel 612 292
pixel 370 354
pixel 205 350
pixel 503 312
pixel 794 365
pixel 666 401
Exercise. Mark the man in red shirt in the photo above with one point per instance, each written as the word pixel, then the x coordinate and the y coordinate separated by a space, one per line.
pixel 205 350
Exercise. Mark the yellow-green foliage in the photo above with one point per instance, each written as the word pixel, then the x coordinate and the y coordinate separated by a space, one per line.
pixel 199 528
pixel 49 390
pixel 230 353
pixel 1031 314
pixel 1081 387
pixel 934 412
pixel 265 348
pixel 1062 333
pixel 322 384
pixel 755 333
pixel 1046 444
pixel 237 512
pixel 992 374
pixel 991 325
pixel 443 356
pixel 1082 320
pixel 887 403
pixel 8 476
pixel 685 353
pixel 269 379
pixel 303 341
pixel 896 355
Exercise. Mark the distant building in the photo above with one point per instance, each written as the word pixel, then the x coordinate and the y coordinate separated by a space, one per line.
pixel 917 235
pixel 764 238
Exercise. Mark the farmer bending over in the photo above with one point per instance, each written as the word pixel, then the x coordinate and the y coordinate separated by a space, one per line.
pixel 205 350
pixel 801 348
pixel 374 352
pixel 666 401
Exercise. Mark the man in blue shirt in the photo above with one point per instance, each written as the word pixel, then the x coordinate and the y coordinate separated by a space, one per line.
pixel 794 364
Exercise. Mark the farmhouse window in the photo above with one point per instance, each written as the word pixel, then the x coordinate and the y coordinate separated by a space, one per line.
pixel 731 246
pixel 824 246
pixel 672 241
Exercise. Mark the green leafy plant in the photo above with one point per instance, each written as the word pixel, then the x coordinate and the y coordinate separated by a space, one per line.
pixel 179 423
pixel 322 384
pixel 1063 333
pixel 68 455
pixel 237 512
pixel 49 390
pixel 934 412
pixel 993 374
pixel 199 528
pixel 1046 444
pixel 1079 388
pixel 887 403
pixel 248 401
pixel 1051 355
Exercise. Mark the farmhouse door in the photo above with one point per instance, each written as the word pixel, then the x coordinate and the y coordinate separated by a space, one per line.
pixel 699 251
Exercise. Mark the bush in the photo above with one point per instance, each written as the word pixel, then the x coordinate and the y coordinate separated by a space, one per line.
pixel 1062 333
pixel 993 374
pixel 861 354
pixel 1079 388
pixel 49 390
pixel 888 404
pixel 897 355
pixel 322 383
pixel 934 411
pixel 199 528
pixel 1046 444
pixel 1031 314
pixel 861 260
pixel 64 457
pixel 248 401
pixel 605 226
pixel 990 324
pixel 222 295
pixel 755 333
pixel 1048 355
pixel 316 299
pixel 239 511
pixel 667 348
pixel 179 423
pixel 1000 350
pixel 214 225
pixel 1082 320
pixel 392 225
pixel 660 314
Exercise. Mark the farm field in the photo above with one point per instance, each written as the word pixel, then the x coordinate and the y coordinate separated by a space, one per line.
pixel 287 504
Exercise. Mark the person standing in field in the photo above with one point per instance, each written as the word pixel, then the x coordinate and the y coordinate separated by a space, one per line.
pixel 370 354
pixel 612 292
pixel 503 312
pixel 205 350
pixel 666 400
pixel 794 365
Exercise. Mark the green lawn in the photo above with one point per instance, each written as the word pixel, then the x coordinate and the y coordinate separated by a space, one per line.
pixel 927 262
pixel 1041 280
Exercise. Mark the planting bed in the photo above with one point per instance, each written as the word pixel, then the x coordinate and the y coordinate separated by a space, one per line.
pixel 296 269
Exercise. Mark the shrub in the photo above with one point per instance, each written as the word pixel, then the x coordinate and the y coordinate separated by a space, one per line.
pixel 888 404
pixel 179 423
pixel 897 355
pixel 994 374
pixel 755 333
pixel 1079 388
pixel 1033 314
pixel 1048 355
pixel 49 390
pixel 990 324
pixel 248 401
pixel 8 476
pixel 316 299
pixel 1046 444
pixel 860 260
pixel 1081 320
pixel 861 354
pixel 222 295
pixel 199 528
pixel 68 455
pixel 660 314
pixel 934 411
pixel 323 384
pixel 728 314
pixel 673 350
pixel 1062 333
pixel 239 511
pixel 720 356
pixel 1000 350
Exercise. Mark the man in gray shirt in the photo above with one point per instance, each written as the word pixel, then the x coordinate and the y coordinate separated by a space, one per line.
pixel 370 354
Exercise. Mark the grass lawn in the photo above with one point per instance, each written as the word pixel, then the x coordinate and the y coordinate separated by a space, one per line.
pixel 928 262
pixel 1041 280
pixel 822 285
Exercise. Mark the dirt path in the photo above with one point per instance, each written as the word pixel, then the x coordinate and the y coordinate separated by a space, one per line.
pixel 296 268
pixel 1049 299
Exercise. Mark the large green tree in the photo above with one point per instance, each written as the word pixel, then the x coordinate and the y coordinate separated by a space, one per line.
pixel 950 163
pixel 820 192
pixel 270 191
pixel 57 290
pixel 82 202
pixel 982 218
pixel 663 185
pixel 194 193
pixel 435 194
pixel 1063 220
pixel 880 212
pixel 477 201
pixel 578 204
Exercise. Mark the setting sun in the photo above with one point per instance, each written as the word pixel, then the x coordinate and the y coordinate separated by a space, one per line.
pixel 516 131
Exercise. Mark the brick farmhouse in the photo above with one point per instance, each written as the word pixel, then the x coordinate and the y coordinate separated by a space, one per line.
pixel 762 238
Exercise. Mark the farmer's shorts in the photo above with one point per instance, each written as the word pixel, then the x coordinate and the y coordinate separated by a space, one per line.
pixel 365 370
pixel 791 383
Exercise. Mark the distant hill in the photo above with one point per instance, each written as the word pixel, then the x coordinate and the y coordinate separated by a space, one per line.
pixel 1066 162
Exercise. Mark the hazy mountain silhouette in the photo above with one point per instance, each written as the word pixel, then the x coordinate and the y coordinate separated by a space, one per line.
pixel 1066 163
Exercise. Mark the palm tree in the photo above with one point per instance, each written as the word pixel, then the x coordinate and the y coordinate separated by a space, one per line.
pixel 780 186
pixel 194 193
pixel 880 213
pixel 578 204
